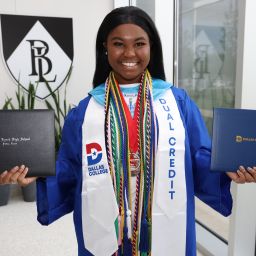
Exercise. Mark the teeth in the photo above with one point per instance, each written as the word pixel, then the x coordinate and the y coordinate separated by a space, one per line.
pixel 129 64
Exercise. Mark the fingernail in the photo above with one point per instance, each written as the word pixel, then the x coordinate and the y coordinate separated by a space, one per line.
pixel 14 169
pixel 3 173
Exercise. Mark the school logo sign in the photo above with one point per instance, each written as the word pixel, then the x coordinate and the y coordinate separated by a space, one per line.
pixel 94 157
pixel 37 50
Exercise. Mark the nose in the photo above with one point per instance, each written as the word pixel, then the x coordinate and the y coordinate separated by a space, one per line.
pixel 129 51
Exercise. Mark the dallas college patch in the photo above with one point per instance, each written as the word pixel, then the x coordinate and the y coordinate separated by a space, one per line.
pixel 37 49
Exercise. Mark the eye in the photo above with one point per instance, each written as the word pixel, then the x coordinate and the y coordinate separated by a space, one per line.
pixel 118 44
pixel 140 44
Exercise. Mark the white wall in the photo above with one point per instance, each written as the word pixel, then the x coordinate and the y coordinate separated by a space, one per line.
pixel 243 220
pixel 164 13
pixel 87 17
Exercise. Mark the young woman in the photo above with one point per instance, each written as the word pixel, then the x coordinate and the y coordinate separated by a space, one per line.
pixel 134 153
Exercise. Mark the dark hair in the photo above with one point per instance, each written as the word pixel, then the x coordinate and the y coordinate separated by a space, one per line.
pixel 127 15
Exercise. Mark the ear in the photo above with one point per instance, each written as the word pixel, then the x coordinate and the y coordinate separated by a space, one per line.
pixel 105 45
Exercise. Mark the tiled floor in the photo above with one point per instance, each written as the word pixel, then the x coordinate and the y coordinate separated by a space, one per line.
pixel 21 234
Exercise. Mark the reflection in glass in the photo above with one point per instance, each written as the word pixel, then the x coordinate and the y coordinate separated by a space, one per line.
pixel 207 69
pixel 207 53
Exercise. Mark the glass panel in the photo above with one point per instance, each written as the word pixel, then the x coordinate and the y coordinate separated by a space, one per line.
pixel 207 69
pixel 148 6
pixel 207 53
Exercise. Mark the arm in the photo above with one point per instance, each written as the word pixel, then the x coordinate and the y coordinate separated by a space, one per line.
pixel 56 195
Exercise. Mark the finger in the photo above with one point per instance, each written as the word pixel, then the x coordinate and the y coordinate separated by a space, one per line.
pixel 22 180
pixel 6 178
pixel 233 176
pixel 252 171
pixel 241 174
pixel 15 176
pixel 2 176
pixel 248 177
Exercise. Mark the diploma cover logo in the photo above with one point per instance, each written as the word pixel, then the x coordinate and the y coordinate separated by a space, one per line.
pixel 244 139
pixel 37 50
pixel 94 153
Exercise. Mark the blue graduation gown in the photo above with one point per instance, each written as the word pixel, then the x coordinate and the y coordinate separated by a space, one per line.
pixel 57 196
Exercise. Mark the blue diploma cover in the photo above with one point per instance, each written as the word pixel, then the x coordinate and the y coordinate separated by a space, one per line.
pixel 233 139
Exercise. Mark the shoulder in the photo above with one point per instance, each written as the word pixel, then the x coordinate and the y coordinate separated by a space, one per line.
pixel 98 93
pixel 76 114
pixel 180 94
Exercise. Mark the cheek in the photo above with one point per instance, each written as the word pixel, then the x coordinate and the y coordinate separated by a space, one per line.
pixel 145 55
pixel 113 56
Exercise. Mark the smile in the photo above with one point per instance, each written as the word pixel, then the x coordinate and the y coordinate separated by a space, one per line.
pixel 129 64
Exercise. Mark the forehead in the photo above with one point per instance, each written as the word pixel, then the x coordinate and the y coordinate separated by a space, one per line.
pixel 128 31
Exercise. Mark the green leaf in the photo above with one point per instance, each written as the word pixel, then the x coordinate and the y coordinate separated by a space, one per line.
pixel 65 108
pixel 22 104
pixel 29 97
pixel 18 94
pixel 7 103
pixel 49 106
pixel 69 75
pixel 12 106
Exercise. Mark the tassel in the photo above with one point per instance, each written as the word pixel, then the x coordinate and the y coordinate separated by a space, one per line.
pixel 120 253
pixel 127 243
pixel 144 237
pixel 129 223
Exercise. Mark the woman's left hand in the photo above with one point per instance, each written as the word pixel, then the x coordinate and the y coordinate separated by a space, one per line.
pixel 243 176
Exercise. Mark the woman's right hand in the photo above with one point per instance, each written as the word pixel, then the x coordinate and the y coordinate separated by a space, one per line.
pixel 16 175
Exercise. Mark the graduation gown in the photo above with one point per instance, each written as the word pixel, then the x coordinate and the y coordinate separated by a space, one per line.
pixel 57 196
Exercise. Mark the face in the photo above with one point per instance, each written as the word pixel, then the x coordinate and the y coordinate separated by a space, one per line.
pixel 128 49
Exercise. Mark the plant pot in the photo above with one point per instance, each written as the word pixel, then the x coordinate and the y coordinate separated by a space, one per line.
pixel 29 192
pixel 4 194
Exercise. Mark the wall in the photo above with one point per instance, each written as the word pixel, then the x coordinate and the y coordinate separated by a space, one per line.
pixel 87 17
pixel 243 220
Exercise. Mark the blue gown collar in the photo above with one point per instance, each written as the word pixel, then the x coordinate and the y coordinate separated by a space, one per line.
pixel 159 87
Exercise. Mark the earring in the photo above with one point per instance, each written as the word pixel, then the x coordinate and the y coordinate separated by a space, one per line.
pixel 106 53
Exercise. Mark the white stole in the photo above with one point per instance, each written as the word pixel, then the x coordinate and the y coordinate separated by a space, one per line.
pixel 99 206
pixel 170 195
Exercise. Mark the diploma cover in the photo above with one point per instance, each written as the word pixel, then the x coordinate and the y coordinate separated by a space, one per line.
pixel 28 137
pixel 233 139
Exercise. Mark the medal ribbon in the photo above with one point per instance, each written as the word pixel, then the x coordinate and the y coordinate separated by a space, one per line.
pixel 117 126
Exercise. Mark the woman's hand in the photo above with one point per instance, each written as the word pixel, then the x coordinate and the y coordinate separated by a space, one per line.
pixel 16 175
pixel 243 176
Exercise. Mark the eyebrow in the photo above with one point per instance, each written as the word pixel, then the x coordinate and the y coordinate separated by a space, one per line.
pixel 120 38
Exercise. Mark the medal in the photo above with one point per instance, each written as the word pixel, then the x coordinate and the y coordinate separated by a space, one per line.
pixel 135 163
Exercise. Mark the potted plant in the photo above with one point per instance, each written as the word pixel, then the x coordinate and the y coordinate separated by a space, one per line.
pixel 4 194
pixel 5 189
